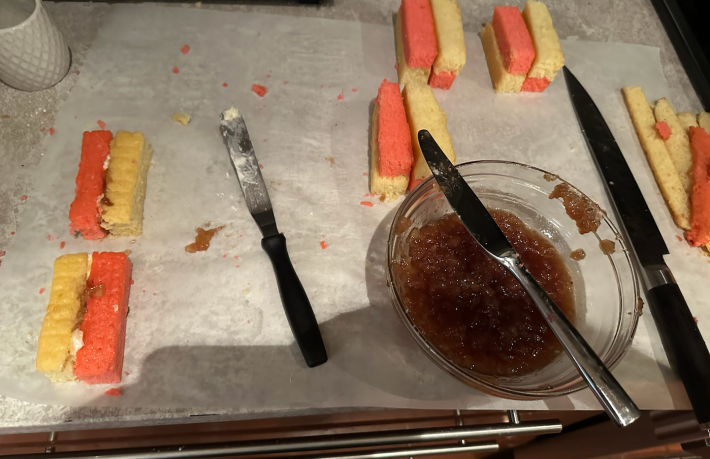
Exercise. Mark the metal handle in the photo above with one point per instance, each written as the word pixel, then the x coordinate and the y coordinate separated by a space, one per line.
pixel 606 388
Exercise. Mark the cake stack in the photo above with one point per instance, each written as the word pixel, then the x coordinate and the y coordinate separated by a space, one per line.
pixel 522 51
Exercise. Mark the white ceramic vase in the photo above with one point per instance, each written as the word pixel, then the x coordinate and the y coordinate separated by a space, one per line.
pixel 33 53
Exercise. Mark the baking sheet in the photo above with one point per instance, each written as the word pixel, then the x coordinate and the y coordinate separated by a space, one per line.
pixel 207 329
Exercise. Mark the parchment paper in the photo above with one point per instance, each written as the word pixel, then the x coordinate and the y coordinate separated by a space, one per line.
pixel 207 329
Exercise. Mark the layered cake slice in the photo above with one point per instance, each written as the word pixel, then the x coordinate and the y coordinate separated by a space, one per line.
pixel 56 349
pixel 513 39
pixel 100 360
pixel 423 112
pixel 548 51
pixel 391 144
pixel 406 73
pixel 677 143
pixel 699 233
pixel 85 210
pixel 451 46
pixel 503 81
pixel 126 180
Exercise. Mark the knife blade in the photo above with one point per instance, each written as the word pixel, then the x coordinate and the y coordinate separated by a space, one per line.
pixel 296 305
pixel 485 230
pixel 681 339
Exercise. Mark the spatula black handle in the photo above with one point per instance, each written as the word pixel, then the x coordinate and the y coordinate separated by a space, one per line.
pixel 295 302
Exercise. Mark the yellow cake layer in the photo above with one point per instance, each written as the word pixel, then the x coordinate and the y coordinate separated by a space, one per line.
pixel 502 80
pixel 704 121
pixel 391 187
pixel 678 144
pixel 548 51
pixel 126 179
pixel 449 37
pixel 657 155
pixel 423 112
pixel 405 73
pixel 55 352
pixel 686 120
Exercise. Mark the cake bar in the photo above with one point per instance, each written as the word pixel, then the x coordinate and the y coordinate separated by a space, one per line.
pixel 423 112
pixel 100 360
pixel 126 180
pixel 451 46
pixel 406 73
pixel 390 143
pixel 418 34
pixel 56 349
pixel 503 81
pixel 513 39
pixel 700 217
pixel 548 51
pixel 85 211
pixel 677 143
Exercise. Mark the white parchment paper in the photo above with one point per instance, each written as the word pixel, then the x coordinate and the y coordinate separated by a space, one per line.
pixel 207 329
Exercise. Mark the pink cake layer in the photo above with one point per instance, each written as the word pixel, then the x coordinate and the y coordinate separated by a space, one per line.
pixel 513 39
pixel 418 34
pixel 84 212
pixel 442 80
pixel 100 360
pixel 393 137
pixel 532 84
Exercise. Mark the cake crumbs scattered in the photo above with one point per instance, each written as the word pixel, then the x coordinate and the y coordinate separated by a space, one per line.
pixel 323 245
pixel 101 124
pixel 366 203
pixel 185 49
pixel 176 70
pixel 62 244
pixel 113 392
pixel 51 131
pixel 41 291
pixel 259 90
pixel 225 84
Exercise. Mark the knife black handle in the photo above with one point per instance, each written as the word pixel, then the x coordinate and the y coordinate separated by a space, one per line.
pixel 684 345
pixel 295 302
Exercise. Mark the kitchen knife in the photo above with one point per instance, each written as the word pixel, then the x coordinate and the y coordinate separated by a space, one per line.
pixel 682 341
pixel 485 230
pixel 293 297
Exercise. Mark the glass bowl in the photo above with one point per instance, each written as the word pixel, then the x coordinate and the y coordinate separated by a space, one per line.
pixel 606 287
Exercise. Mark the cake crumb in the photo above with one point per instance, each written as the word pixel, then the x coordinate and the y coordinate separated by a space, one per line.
pixel 225 84
pixel 330 159
pixel 680 239
pixel 126 373
pixel 285 81
pixel 50 237
pixel 41 291
pixel 176 70
pixel 324 245
pixel 341 96
pixel 663 130
pixel 182 118
pixel 101 124
pixel 354 89
pixel 113 392
pixel 366 203
pixel 185 49
pixel 259 90
pixel 62 244
pixel 51 131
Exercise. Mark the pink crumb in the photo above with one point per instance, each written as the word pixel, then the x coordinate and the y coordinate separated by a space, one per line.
pixel 341 96
pixel 77 72
pixel 113 392
pixel 237 266
pixel 322 86
pixel 51 237
pixel 126 373
pixel 224 256
pixel 695 319
pixel 154 294
pixel 185 49
pixel 133 281
pixel 259 90
pixel 236 257
pixel 285 81
pixel 248 321
pixel 225 84
pixel 101 124
pixel 51 131
pixel 41 291
pixel 323 245
pixel 268 76
pixel 396 66
pixel 2 253
pixel 364 174
pixel 354 89
pixel 264 140
pixel 176 70
pixel 41 129
pixel 261 166
pixel 663 130
pixel 680 239
pixel 366 203
pixel 62 244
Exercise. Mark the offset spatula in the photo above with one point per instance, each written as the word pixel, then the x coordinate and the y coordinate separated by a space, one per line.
pixel 293 297
pixel 485 230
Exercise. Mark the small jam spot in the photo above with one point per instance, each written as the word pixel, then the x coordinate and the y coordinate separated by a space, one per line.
pixel 639 306
pixel 585 212
pixel 185 49
pixel 550 177
pixel 113 392
pixel 402 225
pixel 51 131
pixel 41 291
pixel 577 255
pixel 259 90
pixel 354 89
pixel 101 124
pixel 202 239
pixel 366 203
pixel 133 281
pixel 323 245
pixel 382 198
pixel 50 237
pixel 62 244
pixel 330 159
pixel 176 70
pixel 680 239
pixel 261 166
pixel 225 84
pixel 607 246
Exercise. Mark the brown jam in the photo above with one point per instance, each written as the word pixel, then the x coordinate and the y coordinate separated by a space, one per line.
pixel 550 177
pixel 607 246
pixel 96 291
pixel 106 202
pixel 471 308
pixel 577 255
pixel 639 306
pixel 581 209
pixel 202 239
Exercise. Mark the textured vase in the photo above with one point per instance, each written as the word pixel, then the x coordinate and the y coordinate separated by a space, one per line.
pixel 33 53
